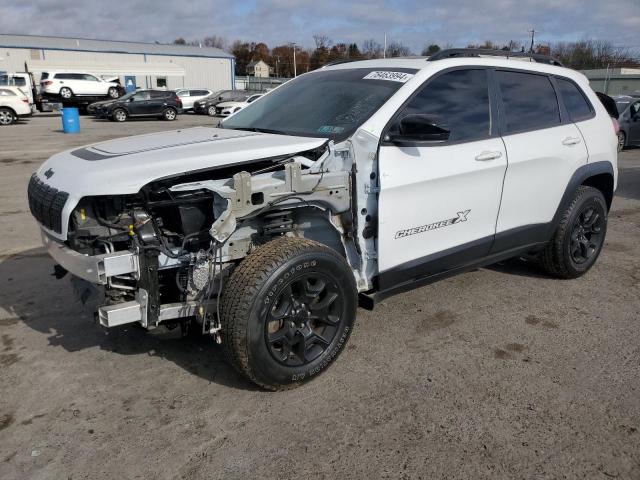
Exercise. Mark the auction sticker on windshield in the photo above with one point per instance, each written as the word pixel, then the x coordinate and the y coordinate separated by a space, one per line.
pixel 391 76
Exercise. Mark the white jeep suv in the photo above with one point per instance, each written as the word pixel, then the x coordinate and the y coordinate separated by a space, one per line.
pixel 353 182
pixel 68 85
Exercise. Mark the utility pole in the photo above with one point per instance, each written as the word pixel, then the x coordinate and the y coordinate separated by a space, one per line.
pixel 384 52
pixel 295 72
pixel 533 33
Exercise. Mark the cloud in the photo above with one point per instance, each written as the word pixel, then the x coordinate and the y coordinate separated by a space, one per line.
pixel 413 22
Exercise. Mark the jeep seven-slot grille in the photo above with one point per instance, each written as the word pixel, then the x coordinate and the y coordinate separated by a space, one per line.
pixel 46 203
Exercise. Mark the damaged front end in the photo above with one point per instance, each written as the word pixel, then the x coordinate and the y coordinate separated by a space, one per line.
pixel 164 254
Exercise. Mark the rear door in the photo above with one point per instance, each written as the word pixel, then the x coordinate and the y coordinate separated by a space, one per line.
pixel 544 149
pixel 439 201
pixel 157 102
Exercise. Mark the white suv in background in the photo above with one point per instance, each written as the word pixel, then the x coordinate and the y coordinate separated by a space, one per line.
pixel 189 96
pixel 68 85
pixel 14 103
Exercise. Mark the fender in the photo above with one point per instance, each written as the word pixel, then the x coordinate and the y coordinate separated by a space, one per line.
pixel 580 176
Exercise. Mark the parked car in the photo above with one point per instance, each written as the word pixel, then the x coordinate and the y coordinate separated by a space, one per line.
pixel 14 104
pixel 345 185
pixel 629 120
pixel 164 104
pixel 68 85
pixel 22 80
pixel 225 109
pixel 190 96
pixel 207 106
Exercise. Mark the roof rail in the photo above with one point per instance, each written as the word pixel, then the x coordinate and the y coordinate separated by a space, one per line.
pixel 477 52
pixel 338 62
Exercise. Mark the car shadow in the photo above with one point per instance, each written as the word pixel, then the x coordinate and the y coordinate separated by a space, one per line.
pixel 32 295
pixel 521 267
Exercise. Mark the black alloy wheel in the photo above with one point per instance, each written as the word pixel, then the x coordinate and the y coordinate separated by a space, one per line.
pixel 304 320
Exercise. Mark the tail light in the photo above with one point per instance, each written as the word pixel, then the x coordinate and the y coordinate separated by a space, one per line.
pixel 46 82
pixel 616 125
pixel 178 101
pixel 25 100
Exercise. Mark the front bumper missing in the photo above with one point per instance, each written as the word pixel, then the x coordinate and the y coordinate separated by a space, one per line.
pixel 136 311
pixel 97 269
pixel 92 268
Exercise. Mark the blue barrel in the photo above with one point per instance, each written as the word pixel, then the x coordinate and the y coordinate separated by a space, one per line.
pixel 70 120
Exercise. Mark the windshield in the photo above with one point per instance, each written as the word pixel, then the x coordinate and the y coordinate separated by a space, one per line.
pixel 330 104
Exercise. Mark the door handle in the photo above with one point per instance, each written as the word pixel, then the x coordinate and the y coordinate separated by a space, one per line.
pixel 571 141
pixel 486 156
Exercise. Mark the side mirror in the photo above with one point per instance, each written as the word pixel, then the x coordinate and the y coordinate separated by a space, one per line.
pixel 131 99
pixel 419 128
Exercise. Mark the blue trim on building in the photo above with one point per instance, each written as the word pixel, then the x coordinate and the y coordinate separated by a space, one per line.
pixel 116 51
pixel 233 74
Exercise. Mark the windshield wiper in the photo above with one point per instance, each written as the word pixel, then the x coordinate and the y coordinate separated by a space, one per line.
pixel 259 130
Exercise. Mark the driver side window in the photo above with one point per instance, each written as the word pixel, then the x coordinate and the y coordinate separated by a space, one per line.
pixel 457 102
pixel 141 96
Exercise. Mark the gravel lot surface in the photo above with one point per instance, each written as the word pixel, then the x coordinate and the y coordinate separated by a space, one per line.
pixel 497 373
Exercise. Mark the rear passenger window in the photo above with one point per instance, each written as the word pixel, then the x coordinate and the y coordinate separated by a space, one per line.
pixel 458 99
pixel 529 101
pixel 574 100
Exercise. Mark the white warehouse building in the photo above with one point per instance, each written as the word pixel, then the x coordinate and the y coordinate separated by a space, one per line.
pixel 138 65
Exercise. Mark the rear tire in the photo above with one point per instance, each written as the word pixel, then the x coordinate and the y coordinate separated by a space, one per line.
pixel 169 114
pixel 66 93
pixel 7 116
pixel 622 141
pixel 211 111
pixel 119 115
pixel 578 240
pixel 287 312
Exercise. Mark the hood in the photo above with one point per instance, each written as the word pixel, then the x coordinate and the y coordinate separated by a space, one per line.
pixel 124 166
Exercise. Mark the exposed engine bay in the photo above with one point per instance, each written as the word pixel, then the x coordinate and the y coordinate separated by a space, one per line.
pixel 188 232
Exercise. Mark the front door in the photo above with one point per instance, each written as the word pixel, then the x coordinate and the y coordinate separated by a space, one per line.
pixel 139 104
pixel 439 201
pixel 634 123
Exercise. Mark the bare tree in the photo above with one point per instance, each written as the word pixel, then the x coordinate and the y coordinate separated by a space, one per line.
pixel 323 42
pixel 589 54
pixel 398 49
pixel 215 41
pixel 371 49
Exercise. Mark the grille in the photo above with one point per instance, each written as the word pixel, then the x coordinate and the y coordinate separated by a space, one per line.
pixel 46 203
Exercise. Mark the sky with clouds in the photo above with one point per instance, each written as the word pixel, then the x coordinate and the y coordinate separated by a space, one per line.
pixel 413 22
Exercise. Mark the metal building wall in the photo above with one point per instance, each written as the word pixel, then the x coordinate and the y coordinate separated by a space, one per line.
pixel 213 73
pixel 204 72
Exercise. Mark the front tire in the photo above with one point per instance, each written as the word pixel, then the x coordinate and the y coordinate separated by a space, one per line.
pixel 66 93
pixel 622 141
pixel 211 111
pixel 578 240
pixel 113 92
pixel 7 117
pixel 169 114
pixel 287 312
pixel 119 115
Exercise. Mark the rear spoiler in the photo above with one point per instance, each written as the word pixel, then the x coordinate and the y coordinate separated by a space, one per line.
pixel 609 104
